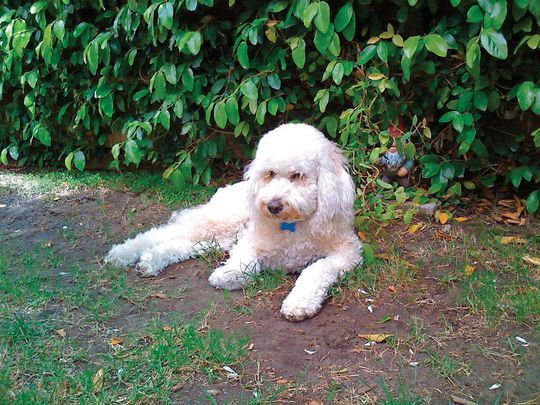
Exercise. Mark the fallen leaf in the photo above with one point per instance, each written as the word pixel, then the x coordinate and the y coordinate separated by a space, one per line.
pixel 392 288
pixel 462 401
pixel 462 219
pixel 415 228
pixel 177 387
pixel 61 332
pixel 505 240
pixel 513 215
pixel 443 218
pixel 507 203
pixel 535 261
pixel 361 235
pixel 97 381
pixel 158 295
pixel 313 402
pixel 376 337
pixel 383 256
pixel 282 381
pixel 522 341
pixel 230 372
pixel 167 328
pixel 116 341
pixel 469 270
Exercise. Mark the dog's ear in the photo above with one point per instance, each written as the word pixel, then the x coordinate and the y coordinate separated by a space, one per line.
pixel 335 193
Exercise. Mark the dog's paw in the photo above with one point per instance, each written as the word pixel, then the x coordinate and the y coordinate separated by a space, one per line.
pixel 225 278
pixel 120 256
pixel 297 309
pixel 147 267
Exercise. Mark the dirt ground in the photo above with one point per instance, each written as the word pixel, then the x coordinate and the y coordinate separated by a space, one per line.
pixel 323 359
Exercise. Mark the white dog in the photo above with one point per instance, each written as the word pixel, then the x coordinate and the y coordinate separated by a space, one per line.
pixel 294 211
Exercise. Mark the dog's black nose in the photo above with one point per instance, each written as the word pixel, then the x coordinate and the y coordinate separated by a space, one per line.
pixel 274 206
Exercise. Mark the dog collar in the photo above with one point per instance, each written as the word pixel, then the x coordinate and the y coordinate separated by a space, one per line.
pixel 287 226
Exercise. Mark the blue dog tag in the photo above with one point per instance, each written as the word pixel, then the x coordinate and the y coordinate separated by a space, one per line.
pixel 287 226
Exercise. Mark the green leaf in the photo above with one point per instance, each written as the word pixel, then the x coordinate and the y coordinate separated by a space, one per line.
pixel 178 180
pixel 322 19
pixel 309 14
pixel 3 157
pixel 480 100
pixel 231 109
pixel 494 43
pixel 92 56
pixel 475 14
pixel 410 150
pixel 532 202
pixel 165 15
pixel 194 42
pixel 343 17
pixel 261 112
pixel 249 90
pixel 188 80
pixel 322 40
pixel 349 31
pixel 382 51
pixel 472 54
pixel 132 153
pixel 274 81
pixel 220 115
pixel 59 29
pixel 367 53
pixel 410 46
pixel 79 160
pixel 525 95
pixel 179 108
pixel 299 53
pixel 106 106
pixel 436 44
pixel 43 135
pixel 337 73
pixel 68 160
pixel 242 55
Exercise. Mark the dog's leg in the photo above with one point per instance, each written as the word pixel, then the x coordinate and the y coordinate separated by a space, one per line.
pixel 309 292
pixel 238 269
pixel 156 258
pixel 129 252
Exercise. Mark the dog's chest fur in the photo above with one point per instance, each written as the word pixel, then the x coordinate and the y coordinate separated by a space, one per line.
pixel 290 251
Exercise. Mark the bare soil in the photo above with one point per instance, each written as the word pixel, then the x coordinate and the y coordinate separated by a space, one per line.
pixel 321 359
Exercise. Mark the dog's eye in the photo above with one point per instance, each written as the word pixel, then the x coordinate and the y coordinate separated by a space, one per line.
pixel 295 176
pixel 270 175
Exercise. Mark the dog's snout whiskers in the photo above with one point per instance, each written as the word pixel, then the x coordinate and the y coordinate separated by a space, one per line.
pixel 275 206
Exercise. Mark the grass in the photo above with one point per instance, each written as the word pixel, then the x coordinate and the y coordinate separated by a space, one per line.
pixel 50 352
pixel 149 184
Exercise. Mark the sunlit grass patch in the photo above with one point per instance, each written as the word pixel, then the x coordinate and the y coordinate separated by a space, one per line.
pixel 151 185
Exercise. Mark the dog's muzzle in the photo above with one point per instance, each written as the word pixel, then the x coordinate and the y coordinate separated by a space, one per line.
pixel 274 206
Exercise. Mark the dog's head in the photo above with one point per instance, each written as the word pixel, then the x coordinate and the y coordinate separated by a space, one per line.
pixel 299 175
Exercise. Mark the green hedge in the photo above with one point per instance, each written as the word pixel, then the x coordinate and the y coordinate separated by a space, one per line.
pixel 189 83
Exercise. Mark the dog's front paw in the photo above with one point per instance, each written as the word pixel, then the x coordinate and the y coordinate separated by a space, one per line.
pixel 226 278
pixel 147 267
pixel 299 308
pixel 121 256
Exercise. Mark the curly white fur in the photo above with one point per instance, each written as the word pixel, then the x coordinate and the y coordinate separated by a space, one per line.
pixel 299 175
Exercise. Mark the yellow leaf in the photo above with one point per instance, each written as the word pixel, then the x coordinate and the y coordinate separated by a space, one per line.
pixel 535 261
pixel 376 337
pixel 415 228
pixel 375 76
pixel 462 219
pixel 386 35
pixel 373 40
pixel 443 218
pixel 97 381
pixel 397 40
pixel 506 240
pixel 61 332
pixel 469 270
pixel 116 341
